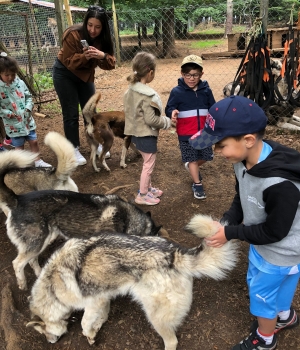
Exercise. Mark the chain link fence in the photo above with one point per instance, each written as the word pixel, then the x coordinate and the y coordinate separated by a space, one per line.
pixel 29 33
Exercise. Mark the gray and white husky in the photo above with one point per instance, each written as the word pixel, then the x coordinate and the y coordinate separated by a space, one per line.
pixel 85 274
pixel 34 179
pixel 36 219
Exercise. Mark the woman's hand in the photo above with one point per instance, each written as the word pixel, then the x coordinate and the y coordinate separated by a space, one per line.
pixel 92 52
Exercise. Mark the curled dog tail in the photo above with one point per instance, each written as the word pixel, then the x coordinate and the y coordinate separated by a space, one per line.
pixel 66 158
pixel 90 108
pixel 12 160
pixel 205 260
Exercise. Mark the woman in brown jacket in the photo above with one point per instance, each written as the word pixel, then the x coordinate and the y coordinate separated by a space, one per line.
pixel 74 68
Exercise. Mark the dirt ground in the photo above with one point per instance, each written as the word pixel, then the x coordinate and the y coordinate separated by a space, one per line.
pixel 219 316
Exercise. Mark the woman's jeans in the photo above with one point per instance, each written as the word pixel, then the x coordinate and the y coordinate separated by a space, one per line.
pixel 71 92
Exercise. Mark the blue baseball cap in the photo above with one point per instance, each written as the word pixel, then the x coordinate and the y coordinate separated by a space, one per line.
pixel 232 116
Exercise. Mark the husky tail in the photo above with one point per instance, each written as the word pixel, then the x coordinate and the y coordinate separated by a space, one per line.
pixel 90 108
pixel 12 160
pixel 65 153
pixel 209 261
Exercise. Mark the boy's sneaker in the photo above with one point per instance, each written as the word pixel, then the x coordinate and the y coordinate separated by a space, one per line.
pixel 2 149
pixel 291 322
pixel 80 158
pixel 41 164
pixel 8 144
pixel 198 191
pixel 99 150
pixel 186 165
pixel 147 199
pixel 255 342
pixel 155 191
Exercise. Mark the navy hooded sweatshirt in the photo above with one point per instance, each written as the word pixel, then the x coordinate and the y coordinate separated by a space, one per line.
pixel 192 106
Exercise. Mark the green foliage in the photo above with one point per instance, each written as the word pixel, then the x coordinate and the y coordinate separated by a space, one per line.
pixel 52 107
pixel 42 81
pixel 220 30
pixel 217 13
pixel 204 44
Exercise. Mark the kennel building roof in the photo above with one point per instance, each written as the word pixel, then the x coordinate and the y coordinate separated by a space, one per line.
pixel 44 4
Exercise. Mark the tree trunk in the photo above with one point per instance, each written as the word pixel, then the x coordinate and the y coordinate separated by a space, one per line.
pixel 229 17
pixel 168 33
pixel 139 36
pixel 144 31
pixel 156 33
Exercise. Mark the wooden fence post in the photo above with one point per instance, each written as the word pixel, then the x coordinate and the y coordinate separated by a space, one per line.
pixel 59 14
pixel 68 12
pixel 116 31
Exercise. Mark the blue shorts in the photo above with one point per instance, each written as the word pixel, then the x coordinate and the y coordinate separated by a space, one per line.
pixel 20 140
pixel 190 154
pixel 270 293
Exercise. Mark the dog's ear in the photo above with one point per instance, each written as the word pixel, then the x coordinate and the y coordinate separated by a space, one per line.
pixel 148 213
pixel 157 229
pixel 163 233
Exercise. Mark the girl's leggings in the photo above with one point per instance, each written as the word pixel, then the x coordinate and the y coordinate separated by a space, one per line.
pixel 148 166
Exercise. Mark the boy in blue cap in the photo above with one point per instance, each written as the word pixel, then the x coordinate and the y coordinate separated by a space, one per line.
pixel 264 212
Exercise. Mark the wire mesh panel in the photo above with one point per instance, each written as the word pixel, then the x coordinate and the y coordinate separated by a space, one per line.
pixel 173 33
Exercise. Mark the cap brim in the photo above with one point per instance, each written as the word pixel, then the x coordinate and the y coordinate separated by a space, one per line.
pixel 193 63
pixel 204 140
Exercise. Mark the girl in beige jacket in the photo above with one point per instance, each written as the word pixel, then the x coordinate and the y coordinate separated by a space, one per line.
pixel 143 119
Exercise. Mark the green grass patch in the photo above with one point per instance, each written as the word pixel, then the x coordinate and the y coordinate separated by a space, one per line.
pixel 219 30
pixel 51 108
pixel 42 81
pixel 204 44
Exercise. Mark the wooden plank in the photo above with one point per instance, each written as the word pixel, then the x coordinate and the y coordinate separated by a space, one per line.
pixel 237 53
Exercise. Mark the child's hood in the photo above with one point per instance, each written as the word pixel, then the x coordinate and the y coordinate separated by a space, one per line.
pixel 13 85
pixel 148 91
pixel 282 162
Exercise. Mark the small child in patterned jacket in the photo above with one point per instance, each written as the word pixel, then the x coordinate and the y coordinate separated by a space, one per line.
pixel 15 108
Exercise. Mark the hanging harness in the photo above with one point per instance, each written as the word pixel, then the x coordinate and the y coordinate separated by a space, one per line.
pixel 290 71
pixel 254 75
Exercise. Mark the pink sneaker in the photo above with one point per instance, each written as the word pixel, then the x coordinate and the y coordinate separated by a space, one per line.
pixel 8 144
pixel 147 199
pixel 155 191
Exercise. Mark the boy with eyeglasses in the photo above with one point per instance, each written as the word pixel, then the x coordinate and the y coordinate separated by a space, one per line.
pixel 187 107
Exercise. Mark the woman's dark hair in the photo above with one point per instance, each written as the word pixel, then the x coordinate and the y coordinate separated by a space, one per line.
pixel 8 64
pixel 105 36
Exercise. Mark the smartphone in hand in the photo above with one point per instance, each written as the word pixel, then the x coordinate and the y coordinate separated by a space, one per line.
pixel 84 43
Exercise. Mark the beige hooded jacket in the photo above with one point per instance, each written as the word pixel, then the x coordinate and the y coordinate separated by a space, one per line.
pixel 143 109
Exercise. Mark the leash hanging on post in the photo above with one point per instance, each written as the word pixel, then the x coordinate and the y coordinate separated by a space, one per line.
pixel 290 71
pixel 254 74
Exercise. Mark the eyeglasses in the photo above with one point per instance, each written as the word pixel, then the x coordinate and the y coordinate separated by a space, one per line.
pixel 96 8
pixel 195 76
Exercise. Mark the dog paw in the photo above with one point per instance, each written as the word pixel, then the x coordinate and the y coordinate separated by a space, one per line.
pixel 123 165
pixel 90 340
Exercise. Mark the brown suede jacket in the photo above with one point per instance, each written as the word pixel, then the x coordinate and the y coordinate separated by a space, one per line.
pixel 72 57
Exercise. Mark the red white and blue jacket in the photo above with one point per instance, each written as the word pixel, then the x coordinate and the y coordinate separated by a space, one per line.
pixel 192 105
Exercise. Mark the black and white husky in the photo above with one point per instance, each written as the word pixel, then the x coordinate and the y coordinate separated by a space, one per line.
pixel 36 219
pixel 85 274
